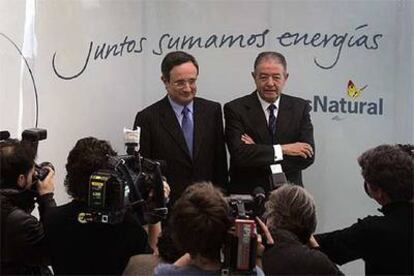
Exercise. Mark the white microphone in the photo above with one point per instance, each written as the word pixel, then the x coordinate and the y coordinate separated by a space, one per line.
pixel 278 176
pixel 131 140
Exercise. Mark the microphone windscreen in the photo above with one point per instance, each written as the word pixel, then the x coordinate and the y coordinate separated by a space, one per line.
pixel 258 192
pixel 132 136
pixel 4 134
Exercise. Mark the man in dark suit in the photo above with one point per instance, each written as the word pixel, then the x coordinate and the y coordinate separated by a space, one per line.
pixel 183 130
pixel 268 131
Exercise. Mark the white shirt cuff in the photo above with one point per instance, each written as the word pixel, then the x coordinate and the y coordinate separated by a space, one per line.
pixel 278 153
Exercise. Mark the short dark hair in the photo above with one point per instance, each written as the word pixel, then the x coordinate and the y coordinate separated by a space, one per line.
pixel 408 148
pixel 391 168
pixel 88 156
pixel 270 55
pixel 292 208
pixel 167 250
pixel 173 59
pixel 200 221
pixel 16 158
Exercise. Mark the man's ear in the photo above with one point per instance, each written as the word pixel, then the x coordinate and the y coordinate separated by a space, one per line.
pixel 254 75
pixel 377 193
pixel 164 80
pixel 21 181
pixel 286 76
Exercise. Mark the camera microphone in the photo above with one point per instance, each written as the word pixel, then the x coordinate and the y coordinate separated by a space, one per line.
pixel 4 134
pixel 278 177
pixel 259 198
pixel 258 195
pixel 131 140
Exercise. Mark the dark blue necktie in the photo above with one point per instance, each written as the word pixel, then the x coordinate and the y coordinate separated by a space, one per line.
pixel 272 123
pixel 187 127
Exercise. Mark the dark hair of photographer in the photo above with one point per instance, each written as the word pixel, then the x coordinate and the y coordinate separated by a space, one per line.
pixel 291 219
pixel 16 160
pixel 390 168
pixel 167 250
pixel 199 221
pixel 88 156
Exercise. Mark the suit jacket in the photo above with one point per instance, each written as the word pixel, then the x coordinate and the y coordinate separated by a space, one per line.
pixel 249 164
pixel 163 139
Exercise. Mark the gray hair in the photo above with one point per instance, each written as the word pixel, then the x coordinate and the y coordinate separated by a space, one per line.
pixel 278 57
pixel 292 208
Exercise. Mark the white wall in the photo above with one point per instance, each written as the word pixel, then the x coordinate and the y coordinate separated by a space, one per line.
pixel 106 96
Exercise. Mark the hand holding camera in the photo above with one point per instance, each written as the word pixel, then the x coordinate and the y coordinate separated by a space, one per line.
pixel 45 183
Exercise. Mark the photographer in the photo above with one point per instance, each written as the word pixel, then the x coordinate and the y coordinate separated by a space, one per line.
pixel 23 249
pixel 291 219
pixel 199 226
pixel 384 242
pixel 81 247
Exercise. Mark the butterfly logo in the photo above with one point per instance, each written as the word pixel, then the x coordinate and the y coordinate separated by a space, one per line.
pixel 353 91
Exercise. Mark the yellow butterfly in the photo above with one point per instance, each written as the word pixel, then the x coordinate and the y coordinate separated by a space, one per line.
pixel 354 92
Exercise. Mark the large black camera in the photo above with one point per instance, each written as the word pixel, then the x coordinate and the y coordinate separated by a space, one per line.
pixel 132 183
pixel 31 138
pixel 240 247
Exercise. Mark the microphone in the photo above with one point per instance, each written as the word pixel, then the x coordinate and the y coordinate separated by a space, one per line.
pixel 131 140
pixel 4 134
pixel 278 177
pixel 258 195
pixel 259 198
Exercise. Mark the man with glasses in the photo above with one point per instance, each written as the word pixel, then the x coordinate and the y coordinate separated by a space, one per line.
pixel 183 130
pixel 267 131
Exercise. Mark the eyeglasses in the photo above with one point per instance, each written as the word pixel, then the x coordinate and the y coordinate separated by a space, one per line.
pixel 182 83
pixel 265 78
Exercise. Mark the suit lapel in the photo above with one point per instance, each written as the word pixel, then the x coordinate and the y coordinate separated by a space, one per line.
pixel 200 116
pixel 284 116
pixel 170 123
pixel 258 119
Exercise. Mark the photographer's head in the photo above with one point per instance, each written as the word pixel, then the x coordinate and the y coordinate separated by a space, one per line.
pixel 88 156
pixel 291 207
pixel 16 165
pixel 388 173
pixel 199 221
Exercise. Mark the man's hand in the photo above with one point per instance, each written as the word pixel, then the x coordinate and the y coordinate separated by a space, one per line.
pixel 153 231
pixel 312 243
pixel 167 189
pixel 247 139
pixel 260 246
pixel 298 149
pixel 48 184
pixel 266 233
pixel 184 260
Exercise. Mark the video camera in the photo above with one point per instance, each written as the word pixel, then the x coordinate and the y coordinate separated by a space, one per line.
pixel 240 247
pixel 132 182
pixel 31 138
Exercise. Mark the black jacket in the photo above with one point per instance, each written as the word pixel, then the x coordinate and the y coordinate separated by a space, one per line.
pixel 162 139
pixel 23 249
pixel 249 164
pixel 385 243
pixel 289 256
pixel 91 248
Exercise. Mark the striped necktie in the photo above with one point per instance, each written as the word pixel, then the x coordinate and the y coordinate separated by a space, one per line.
pixel 272 123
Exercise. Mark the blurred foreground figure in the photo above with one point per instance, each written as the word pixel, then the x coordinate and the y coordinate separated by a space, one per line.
pixel 385 242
